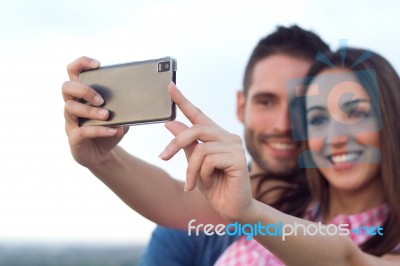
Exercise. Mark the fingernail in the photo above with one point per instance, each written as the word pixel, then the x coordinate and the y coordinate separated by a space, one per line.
pixel 102 112
pixel 185 188
pixel 163 154
pixel 98 100
pixel 94 63
pixel 112 130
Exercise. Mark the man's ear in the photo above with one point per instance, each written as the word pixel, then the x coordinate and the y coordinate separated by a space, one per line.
pixel 240 105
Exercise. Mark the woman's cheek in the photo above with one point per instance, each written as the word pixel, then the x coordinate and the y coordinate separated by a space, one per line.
pixel 315 144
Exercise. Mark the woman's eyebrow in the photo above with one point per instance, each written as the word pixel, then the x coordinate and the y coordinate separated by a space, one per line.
pixel 352 105
pixel 355 102
pixel 316 107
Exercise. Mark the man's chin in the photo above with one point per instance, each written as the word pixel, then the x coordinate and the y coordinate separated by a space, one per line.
pixel 281 167
pixel 267 162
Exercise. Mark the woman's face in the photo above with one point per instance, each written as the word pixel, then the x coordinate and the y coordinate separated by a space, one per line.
pixel 343 135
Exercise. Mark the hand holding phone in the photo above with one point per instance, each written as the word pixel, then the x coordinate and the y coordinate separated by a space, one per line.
pixel 134 93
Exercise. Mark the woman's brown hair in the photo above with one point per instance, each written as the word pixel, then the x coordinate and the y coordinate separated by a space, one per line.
pixel 388 85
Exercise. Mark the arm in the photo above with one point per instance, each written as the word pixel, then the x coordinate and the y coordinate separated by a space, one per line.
pixel 310 250
pixel 144 187
pixel 220 173
pixel 151 192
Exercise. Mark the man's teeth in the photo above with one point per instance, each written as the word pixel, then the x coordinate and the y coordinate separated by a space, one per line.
pixel 283 146
pixel 347 157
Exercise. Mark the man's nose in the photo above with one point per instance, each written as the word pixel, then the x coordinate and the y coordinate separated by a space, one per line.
pixel 282 120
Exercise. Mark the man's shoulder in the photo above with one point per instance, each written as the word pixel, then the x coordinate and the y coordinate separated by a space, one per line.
pixel 176 247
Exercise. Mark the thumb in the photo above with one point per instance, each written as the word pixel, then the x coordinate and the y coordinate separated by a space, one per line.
pixel 121 131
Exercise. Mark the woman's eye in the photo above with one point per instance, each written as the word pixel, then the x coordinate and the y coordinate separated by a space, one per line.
pixel 358 115
pixel 317 120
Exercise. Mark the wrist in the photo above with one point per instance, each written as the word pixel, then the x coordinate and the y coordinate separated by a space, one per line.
pixel 107 163
pixel 250 213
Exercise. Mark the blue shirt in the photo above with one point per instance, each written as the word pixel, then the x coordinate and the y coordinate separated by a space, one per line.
pixel 173 247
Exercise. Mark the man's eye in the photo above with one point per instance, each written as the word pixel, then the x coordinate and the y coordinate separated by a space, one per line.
pixel 264 102
pixel 317 120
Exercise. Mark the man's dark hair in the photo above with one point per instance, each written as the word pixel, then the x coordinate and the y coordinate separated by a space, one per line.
pixel 292 41
pixel 295 42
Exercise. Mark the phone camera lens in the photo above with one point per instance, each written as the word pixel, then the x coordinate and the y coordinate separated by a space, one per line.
pixel 164 66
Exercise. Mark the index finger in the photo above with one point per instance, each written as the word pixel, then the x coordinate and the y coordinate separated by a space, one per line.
pixel 193 113
pixel 80 64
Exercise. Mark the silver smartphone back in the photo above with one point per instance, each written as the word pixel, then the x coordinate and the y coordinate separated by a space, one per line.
pixel 134 93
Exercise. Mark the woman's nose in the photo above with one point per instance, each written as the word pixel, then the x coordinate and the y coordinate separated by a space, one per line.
pixel 338 133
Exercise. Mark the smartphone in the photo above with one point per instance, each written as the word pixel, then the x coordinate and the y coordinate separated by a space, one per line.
pixel 134 93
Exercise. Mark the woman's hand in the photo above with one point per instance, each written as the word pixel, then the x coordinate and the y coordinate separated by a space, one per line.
pixel 216 160
pixel 90 145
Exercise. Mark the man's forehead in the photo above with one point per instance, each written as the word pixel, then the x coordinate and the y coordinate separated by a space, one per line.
pixel 267 90
pixel 271 74
pixel 280 63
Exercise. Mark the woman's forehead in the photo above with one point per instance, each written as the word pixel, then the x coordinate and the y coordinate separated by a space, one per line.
pixel 335 85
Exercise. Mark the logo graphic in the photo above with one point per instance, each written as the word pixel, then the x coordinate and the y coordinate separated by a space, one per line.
pixel 338 103
pixel 280 230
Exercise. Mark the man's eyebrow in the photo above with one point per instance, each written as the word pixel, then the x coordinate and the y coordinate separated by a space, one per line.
pixel 264 95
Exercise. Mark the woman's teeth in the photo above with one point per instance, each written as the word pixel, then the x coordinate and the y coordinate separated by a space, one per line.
pixel 346 157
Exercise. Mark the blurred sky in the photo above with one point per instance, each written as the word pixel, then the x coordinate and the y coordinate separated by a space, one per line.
pixel 44 195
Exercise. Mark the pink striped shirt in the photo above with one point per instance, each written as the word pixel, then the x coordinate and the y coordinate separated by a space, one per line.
pixel 250 252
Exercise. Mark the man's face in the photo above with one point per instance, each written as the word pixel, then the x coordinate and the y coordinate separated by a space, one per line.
pixel 265 114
